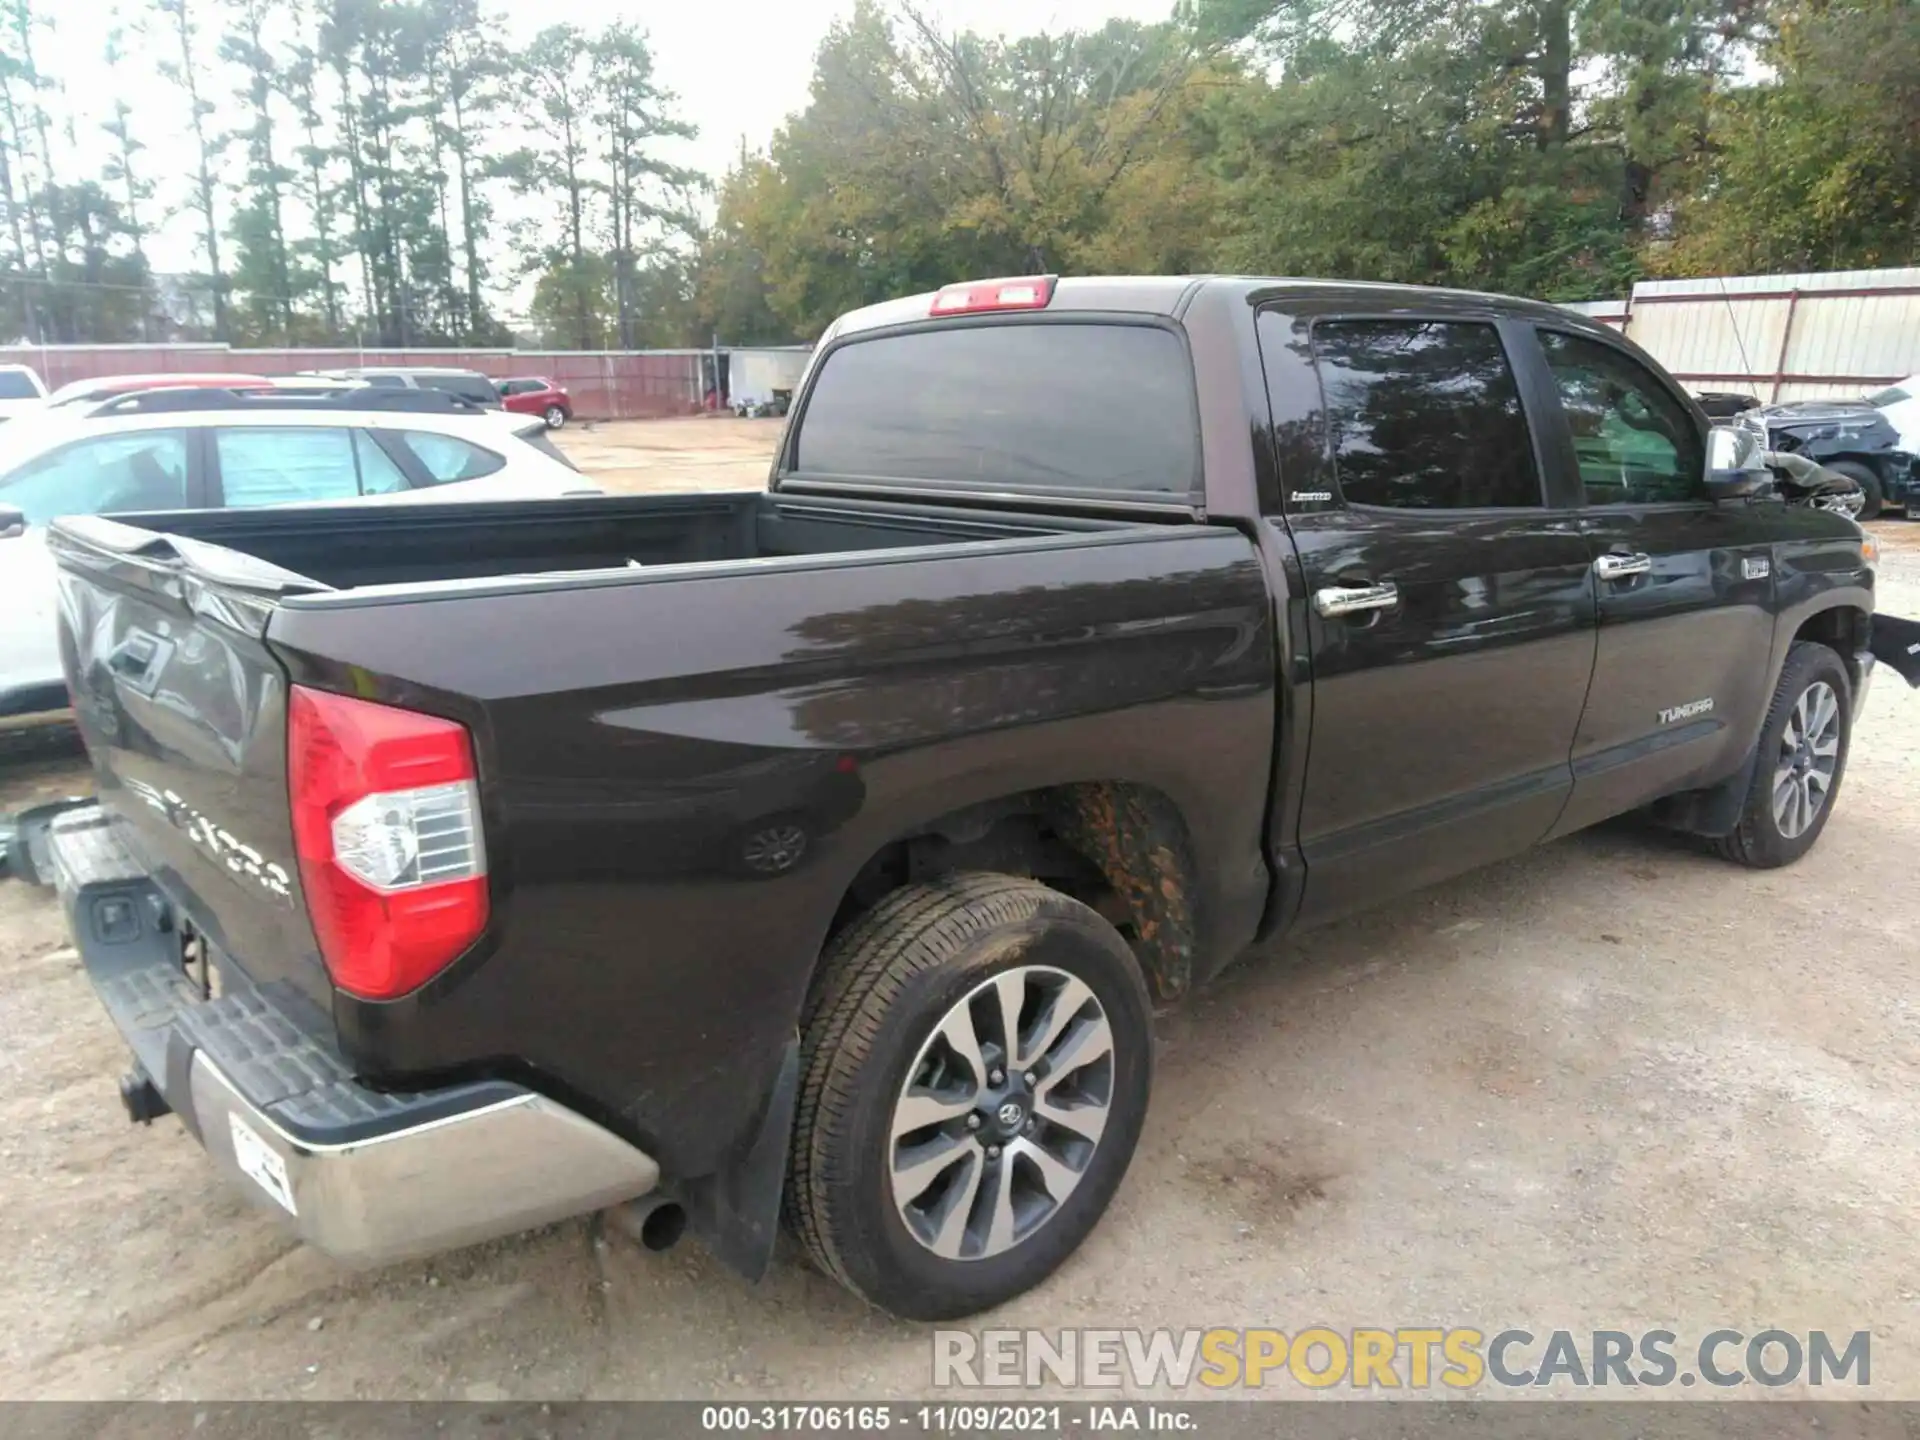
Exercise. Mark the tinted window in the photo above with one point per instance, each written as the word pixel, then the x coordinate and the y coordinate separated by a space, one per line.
pixel 470 387
pixel 385 382
pixel 110 475
pixel 1635 443
pixel 447 458
pixel 15 386
pixel 1424 415
pixel 275 466
pixel 1082 407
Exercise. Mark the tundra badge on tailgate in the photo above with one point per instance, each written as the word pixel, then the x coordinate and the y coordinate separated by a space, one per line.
pixel 240 858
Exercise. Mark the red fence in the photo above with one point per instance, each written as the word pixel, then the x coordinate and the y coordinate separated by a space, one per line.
pixel 605 385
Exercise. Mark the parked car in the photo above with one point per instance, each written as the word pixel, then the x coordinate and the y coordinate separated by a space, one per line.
pixel 1861 439
pixel 534 395
pixel 828 848
pixel 21 391
pixel 188 448
pixel 469 385
pixel 97 388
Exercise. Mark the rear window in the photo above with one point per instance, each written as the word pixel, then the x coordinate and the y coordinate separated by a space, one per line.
pixel 1049 406
pixel 15 386
pixel 447 459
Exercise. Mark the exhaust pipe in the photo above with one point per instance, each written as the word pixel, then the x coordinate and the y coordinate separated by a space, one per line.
pixel 653 1222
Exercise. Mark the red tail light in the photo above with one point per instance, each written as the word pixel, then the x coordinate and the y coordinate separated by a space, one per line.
pixel 1031 292
pixel 386 824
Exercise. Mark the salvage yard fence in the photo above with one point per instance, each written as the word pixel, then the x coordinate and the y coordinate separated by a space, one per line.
pixel 1843 333
pixel 604 385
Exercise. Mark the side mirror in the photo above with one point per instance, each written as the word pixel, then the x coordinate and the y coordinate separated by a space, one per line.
pixel 1736 466
pixel 12 522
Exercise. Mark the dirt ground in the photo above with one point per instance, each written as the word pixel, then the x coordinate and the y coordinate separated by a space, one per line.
pixel 717 453
pixel 1611 1084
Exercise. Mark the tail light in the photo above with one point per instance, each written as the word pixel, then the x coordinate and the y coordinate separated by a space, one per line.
pixel 386 824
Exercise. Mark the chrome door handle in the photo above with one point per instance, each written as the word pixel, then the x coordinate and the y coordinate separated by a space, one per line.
pixel 1621 567
pixel 1338 600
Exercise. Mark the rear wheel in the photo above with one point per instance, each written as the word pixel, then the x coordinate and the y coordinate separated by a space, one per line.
pixel 1869 482
pixel 976 1061
pixel 1802 760
pixel 556 416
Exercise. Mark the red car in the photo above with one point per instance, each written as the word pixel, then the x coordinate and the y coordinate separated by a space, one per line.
pixel 535 395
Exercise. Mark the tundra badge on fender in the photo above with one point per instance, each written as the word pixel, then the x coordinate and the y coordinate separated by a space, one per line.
pixel 1687 711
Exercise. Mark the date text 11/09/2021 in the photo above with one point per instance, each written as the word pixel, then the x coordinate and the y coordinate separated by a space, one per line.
pixel 946 1419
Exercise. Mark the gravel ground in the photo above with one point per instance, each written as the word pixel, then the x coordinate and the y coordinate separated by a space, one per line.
pixel 1611 1084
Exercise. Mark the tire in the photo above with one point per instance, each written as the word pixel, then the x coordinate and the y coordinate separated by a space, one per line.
pixel 889 992
pixel 1763 840
pixel 555 416
pixel 1869 482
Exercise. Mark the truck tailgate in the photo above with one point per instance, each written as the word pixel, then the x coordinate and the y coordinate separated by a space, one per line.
pixel 184 712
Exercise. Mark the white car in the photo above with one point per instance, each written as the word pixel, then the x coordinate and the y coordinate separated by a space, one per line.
pixel 158 451
pixel 21 391
pixel 1900 404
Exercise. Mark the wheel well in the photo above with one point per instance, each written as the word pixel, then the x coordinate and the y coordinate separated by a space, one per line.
pixel 1121 848
pixel 1842 629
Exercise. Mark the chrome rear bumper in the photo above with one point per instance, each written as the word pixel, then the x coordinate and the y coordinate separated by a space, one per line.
pixel 507 1166
pixel 368 1176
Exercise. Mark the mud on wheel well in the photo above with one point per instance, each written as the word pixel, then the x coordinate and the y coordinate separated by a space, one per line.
pixel 1120 848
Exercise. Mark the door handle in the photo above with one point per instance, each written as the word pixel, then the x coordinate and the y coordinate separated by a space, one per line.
pixel 1621 567
pixel 1338 600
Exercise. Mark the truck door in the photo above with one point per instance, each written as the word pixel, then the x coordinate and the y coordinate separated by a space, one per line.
pixel 1681 677
pixel 1446 599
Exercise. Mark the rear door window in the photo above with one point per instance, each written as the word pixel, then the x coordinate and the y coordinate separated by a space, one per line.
pixel 1424 415
pixel 1047 406
pixel 282 465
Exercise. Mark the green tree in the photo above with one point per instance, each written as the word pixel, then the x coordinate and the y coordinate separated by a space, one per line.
pixel 261 265
pixel 1817 167
pixel 573 305
pixel 124 166
pixel 184 70
pixel 649 202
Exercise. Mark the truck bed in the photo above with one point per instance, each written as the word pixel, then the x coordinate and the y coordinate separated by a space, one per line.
pixel 342 548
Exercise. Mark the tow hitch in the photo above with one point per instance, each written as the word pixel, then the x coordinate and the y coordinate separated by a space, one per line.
pixel 142 1098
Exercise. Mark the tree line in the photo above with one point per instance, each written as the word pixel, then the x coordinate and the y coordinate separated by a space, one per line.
pixel 367 171
pixel 384 170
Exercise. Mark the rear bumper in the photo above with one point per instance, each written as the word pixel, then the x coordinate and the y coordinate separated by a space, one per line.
pixel 367 1176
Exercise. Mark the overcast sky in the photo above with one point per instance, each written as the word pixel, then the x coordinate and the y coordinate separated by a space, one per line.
pixel 739 68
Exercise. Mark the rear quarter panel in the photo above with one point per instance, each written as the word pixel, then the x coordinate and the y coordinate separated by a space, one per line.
pixel 635 729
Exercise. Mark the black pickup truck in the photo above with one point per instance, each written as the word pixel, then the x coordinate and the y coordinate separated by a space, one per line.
pixel 826 850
